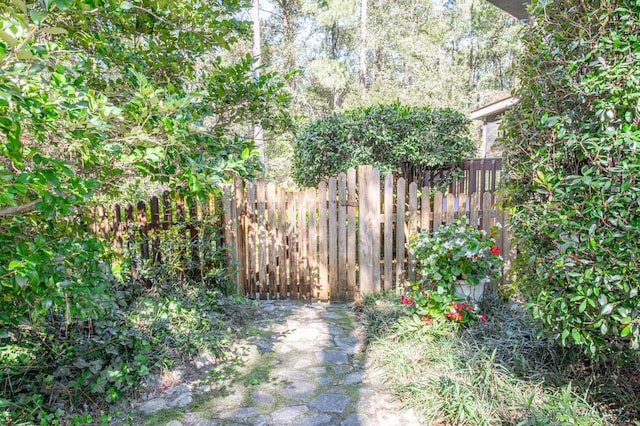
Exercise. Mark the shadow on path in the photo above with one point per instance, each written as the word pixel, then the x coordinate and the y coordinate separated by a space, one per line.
pixel 304 365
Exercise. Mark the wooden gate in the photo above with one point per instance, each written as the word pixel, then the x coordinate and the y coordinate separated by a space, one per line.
pixel 344 238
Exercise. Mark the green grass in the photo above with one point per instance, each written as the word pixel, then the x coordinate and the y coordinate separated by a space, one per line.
pixel 492 373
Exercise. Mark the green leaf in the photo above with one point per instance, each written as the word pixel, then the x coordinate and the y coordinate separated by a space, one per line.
pixel 54 30
pixel 14 264
pixel 20 5
pixel 37 16
pixel 63 4
pixel 24 54
pixel 575 334
pixel 126 5
pixel 11 42
pixel 625 331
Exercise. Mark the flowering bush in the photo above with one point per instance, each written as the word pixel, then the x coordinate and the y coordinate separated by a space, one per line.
pixel 456 251
pixel 439 303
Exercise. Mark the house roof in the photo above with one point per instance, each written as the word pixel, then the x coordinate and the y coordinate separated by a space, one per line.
pixel 491 111
pixel 516 8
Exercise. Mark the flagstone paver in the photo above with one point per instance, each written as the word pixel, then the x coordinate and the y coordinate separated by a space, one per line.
pixel 306 367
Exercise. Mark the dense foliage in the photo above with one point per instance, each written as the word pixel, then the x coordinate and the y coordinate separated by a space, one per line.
pixel 95 94
pixel 573 166
pixel 390 137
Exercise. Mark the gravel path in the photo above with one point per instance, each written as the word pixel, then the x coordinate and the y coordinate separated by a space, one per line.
pixel 304 366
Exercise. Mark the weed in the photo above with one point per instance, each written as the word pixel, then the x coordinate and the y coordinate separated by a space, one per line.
pixel 493 372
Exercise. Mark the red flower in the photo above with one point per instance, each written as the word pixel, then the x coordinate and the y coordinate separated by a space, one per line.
pixel 495 250
pixel 482 317
pixel 456 316
pixel 406 300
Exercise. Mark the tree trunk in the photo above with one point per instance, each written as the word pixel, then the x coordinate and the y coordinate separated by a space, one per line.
pixel 256 52
pixel 363 46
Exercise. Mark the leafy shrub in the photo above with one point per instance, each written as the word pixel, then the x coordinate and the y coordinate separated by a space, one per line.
pixel 456 251
pixel 390 137
pixel 573 167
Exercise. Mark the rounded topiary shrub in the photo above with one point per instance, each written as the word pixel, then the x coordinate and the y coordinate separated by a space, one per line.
pixel 573 164
pixel 396 138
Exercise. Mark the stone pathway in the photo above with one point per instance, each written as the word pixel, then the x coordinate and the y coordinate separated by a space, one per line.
pixel 305 366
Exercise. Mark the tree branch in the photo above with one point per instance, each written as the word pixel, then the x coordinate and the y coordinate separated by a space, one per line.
pixel 18 210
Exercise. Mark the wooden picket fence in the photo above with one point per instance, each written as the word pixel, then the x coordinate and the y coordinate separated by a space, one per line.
pixel 345 238
pixel 140 232
pixel 477 175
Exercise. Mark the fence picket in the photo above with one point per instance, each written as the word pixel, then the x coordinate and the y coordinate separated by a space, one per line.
pixel 312 243
pixel 282 244
pixel 250 231
pixel 239 226
pixel 400 217
pixel 375 223
pixel 342 235
pixel 334 290
pixel 323 259
pixel 351 231
pixel 425 209
pixel 292 291
pixel 388 232
pixel 437 210
pixel 273 242
pixel 412 227
pixel 302 245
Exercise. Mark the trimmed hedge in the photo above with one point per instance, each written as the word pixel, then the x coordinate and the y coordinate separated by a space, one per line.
pixel 394 138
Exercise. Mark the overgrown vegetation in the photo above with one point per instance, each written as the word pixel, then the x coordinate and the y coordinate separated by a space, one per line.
pixel 493 372
pixel 573 167
pixel 397 138
pixel 93 95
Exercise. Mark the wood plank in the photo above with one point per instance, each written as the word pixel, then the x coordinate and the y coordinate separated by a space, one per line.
pixel 364 231
pixel 400 243
pixel 252 252
pixel 229 240
pixel 425 210
pixel 282 244
pixel 292 290
pixel 487 208
pixel 351 232
pixel 262 240
pixel 333 241
pixel 375 225
pixel 323 234
pixel 155 227
pixel 303 260
pixel 142 224
pixel 312 244
pixel 342 236
pixel 273 242
pixel 437 210
pixel 463 206
pixel 194 239
pixel 451 208
pixel 117 228
pixel 474 209
pixel 412 228
pixel 239 222
pixel 388 232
